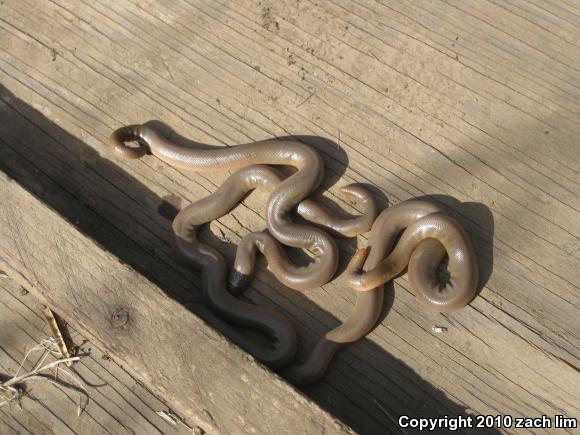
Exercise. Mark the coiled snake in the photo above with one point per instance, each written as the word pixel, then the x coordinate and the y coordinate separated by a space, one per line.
pixel 426 236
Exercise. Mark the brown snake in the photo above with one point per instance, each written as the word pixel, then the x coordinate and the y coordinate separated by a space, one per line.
pixel 283 199
pixel 196 253
pixel 278 262
pixel 427 235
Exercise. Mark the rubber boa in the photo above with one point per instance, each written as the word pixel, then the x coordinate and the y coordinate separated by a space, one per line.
pixel 283 199
pixel 278 262
pixel 426 235
pixel 214 270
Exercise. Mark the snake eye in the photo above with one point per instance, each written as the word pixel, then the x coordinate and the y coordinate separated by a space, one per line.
pixel 124 136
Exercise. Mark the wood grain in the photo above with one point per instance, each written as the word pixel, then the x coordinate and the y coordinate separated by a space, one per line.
pixel 476 101
pixel 213 385
pixel 118 403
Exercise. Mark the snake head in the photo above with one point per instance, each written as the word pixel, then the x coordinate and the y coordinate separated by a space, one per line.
pixel 238 281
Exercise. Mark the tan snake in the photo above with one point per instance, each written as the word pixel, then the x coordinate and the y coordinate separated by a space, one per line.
pixel 198 254
pixel 427 234
pixel 283 199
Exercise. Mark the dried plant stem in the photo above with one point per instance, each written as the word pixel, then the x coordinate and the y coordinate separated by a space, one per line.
pixel 11 390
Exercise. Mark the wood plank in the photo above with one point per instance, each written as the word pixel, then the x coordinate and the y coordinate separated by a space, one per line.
pixel 477 101
pixel 117 402
pixel 213 385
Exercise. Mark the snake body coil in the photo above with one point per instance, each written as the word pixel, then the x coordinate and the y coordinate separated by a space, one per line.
pixel 198 254
pixel 283 199
pixel 426 236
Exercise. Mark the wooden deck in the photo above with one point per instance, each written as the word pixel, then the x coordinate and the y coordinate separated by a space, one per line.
pixel 117 402
pixel 474 105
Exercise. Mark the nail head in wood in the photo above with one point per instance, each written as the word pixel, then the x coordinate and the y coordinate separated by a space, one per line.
pixel 120 318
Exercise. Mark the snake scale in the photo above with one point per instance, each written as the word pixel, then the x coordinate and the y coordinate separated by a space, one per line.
pixel 412 234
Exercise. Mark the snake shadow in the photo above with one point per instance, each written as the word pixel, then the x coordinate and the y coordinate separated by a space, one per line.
pixel 366 386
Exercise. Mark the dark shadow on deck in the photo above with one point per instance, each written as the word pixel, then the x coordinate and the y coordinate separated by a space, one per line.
pixel 54 166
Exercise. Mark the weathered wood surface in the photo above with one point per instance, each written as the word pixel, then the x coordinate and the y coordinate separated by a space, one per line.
pixel 215 386
pixel 475 100
pixel 118 403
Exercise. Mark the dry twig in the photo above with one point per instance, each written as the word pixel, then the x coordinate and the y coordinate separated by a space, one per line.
pixel 12 390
